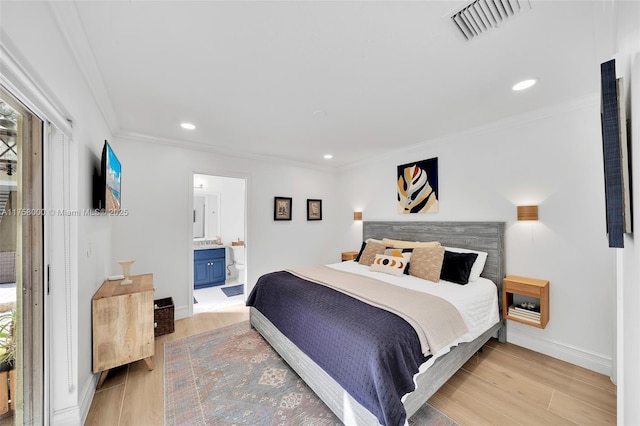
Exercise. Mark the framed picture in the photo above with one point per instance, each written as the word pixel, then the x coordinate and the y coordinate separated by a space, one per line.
pixel 314 209
pixel 282 208
pixel 418 187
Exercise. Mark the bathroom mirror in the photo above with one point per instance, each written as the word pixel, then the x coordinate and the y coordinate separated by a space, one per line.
pixel 199 210
pixel 206 215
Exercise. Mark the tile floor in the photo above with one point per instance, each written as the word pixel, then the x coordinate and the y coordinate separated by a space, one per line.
pixel 212 298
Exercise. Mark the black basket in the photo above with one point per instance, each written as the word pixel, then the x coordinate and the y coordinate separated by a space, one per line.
pixel 163 316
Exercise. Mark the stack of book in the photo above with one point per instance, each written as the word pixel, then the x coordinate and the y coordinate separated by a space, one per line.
pixel 524 313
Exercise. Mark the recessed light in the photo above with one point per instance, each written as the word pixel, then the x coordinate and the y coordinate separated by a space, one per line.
pixel 187 126
pixel 525 84
pixel 328 156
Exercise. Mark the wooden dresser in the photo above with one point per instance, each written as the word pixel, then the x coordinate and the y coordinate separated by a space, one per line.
pixel 123 324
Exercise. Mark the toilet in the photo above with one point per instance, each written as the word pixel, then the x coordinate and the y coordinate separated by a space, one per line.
pixel 238 260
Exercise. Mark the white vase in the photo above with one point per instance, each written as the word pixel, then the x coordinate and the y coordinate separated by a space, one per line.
pixel 126 270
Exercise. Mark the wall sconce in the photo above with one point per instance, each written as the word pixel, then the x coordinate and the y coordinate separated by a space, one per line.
pixel 527 212
pixel 357 215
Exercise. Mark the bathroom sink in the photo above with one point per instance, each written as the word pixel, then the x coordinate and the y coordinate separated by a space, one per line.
pixel 208 246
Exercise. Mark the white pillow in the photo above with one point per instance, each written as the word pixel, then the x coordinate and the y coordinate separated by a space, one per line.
pixel 478 265
pixel 389 264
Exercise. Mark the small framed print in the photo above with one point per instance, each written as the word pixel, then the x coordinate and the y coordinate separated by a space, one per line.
pixel 314 209
pixel 282 208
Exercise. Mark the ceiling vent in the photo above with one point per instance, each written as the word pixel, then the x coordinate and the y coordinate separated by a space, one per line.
pixel 482 15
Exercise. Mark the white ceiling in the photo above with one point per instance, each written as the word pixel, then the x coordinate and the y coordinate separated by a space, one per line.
pixel 254 77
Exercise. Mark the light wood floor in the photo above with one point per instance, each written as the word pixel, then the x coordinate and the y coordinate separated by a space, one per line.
pixel 503 385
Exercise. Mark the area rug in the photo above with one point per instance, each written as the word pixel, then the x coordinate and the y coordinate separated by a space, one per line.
pixel 233 290
pixel 232 376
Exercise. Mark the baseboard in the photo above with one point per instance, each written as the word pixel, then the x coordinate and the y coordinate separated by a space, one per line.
pixel 77 415
pixel 181 312
pixel 599 363
pixel 67 416
pixel 87 396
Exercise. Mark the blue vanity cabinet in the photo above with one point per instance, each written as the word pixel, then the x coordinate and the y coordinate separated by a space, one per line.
pixel 208 267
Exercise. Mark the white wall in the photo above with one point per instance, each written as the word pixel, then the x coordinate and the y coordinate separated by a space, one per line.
pixel 552 158
pixel 628 295
pixel 157 189
pixel 30 32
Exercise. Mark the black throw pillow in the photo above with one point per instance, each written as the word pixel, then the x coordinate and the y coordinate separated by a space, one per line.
pixel 456 267
pixel 357 259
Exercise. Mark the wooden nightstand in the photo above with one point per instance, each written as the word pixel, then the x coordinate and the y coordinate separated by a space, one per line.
pixel 531 289
pixel 123 324
pixel 349 255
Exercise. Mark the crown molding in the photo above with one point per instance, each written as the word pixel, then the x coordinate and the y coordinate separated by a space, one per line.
pixel 198 146
pixel 21 81
pixel 68 21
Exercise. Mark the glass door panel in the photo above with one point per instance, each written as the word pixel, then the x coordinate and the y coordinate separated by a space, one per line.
pixel 21 264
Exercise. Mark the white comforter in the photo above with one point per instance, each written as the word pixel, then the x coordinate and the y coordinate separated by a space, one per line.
pixel 477 301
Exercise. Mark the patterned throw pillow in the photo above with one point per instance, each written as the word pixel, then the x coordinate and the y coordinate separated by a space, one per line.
pixel 364 244
pixel 393 265
pixel 404 252
pixel 426 263
pixel 399 252
pixel 369 253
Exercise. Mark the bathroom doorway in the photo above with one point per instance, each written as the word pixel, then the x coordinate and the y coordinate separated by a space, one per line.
pixel 219 241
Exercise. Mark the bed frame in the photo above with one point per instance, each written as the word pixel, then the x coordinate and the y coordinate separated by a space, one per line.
pixel 481 236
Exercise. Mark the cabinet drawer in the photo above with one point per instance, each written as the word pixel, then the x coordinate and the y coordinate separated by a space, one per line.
pixel 218 253
pixel 521 288
pixel 208 254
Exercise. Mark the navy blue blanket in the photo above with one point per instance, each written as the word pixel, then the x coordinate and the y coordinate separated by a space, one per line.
pixel 372 353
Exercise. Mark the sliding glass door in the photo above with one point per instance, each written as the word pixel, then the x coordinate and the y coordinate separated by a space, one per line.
pixel 21 264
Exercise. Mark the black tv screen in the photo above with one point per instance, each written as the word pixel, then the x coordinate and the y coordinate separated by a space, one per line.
pixel 111 180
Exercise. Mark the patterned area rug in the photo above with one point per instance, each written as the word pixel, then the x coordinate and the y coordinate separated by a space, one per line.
pixel 233 376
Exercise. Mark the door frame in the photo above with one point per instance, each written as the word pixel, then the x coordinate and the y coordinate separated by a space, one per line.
pixel 30 298
pixel 247 230
pixel 17 79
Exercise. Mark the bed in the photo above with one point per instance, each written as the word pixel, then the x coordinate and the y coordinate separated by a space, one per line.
pixel 331 383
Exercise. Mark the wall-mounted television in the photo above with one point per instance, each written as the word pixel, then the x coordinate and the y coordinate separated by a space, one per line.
pixel 110 176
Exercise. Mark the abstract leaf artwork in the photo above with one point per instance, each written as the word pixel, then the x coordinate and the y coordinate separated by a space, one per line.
pixel 418 187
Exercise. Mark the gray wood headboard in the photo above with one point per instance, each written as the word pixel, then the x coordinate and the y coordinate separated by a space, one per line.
pixel 481 236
